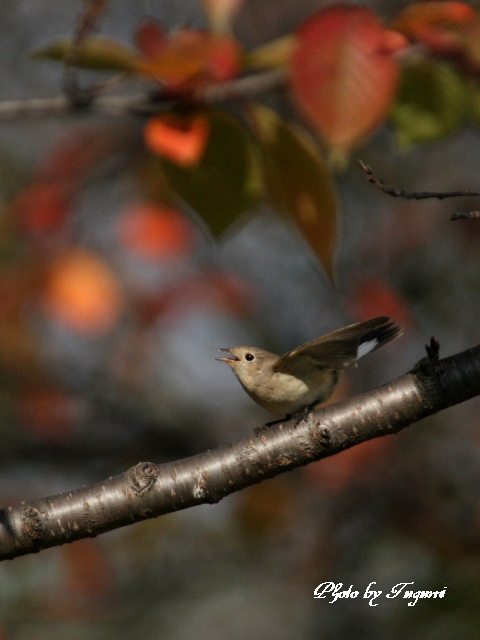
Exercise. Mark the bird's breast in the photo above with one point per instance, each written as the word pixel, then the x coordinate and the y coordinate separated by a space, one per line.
pixel 287 394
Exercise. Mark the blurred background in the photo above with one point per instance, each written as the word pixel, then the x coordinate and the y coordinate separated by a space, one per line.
pixel 111 311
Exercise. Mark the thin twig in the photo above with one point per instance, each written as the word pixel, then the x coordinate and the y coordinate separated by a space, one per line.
pixel 85 24
pixel 411 195
pixel 142 103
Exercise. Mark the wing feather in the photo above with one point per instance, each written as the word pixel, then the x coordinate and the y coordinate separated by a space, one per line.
pixel 340 349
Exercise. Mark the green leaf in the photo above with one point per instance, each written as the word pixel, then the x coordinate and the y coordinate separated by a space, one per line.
pixel 298 181
pixel 432 103
pixel 276 53
pixel 226 182
pixel 92 53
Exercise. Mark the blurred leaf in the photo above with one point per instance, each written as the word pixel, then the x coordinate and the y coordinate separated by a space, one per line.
pixel 431 103
pixel 298 181
pixel 82 293
pixel 225 183
pixel 93 53
pixel 221 12
pixel 150 38
pixel 155 232
pixel 371 296
pixel 436 24
pixel 470 47
pixel 344 74
pixel 193 55
pixel 276 53
pixel 181 139
pixel 41 208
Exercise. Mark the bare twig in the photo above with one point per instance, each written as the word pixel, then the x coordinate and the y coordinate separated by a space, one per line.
pixel 143 103
pixel 87 20
pixel 147 490
pixel 85 24
pixel 411 195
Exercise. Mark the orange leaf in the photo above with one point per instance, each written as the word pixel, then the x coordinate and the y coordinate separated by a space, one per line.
pixel 436 24
pixel 193 55
pixel 82 293
pixel 150 38
pixel 344 74
pixel 155 232
pixel 181 140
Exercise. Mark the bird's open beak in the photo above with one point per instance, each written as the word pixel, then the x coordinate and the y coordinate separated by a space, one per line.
pixel 228 360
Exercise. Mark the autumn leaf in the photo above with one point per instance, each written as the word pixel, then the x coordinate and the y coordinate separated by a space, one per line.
pixel 225 182
pixel 192 56
pixel 82 293
pixel 344 74
pixel 150 38
pixel 298 181
pixel 439 25
pixel 155 232
pixel 181 139
pixel 94 52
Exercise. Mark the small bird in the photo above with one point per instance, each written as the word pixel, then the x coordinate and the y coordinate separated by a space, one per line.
pixel 309 374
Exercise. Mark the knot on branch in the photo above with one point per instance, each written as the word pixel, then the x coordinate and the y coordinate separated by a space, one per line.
pixel 33 523
pixel 142 477
pixel 428 369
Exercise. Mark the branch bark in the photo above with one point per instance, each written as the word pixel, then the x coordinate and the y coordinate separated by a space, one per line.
pixel 143 103
pixel 147 490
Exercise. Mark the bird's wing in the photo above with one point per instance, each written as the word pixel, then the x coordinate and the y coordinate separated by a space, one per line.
pixel 341 349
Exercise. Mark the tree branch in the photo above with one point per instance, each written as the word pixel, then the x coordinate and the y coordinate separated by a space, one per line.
pixel 147 491
pixel 411 195
pixel 143 103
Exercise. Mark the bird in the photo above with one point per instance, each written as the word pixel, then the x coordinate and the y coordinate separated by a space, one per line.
pixel 307 376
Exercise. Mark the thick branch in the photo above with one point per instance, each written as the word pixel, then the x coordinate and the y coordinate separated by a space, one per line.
pixel 146 490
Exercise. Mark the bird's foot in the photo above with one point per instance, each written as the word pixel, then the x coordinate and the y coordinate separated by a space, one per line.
pixel 302 415
pixel 264 427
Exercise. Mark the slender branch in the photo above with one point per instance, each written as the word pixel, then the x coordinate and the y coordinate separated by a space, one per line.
pixel 147 490
pixel 142 103
pixel 411 195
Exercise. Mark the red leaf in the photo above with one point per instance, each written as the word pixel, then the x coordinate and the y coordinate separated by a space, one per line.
pixel 155 232
pixel 191 56
pixel 344 73
pixel 181 140
pixel 150 38
pixel 373 297
pixel 436 24
pixel 41 208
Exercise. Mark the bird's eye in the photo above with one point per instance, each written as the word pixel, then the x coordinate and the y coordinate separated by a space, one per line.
pixel 249 357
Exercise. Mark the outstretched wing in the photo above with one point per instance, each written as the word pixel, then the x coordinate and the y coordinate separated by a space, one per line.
pixel 341 349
